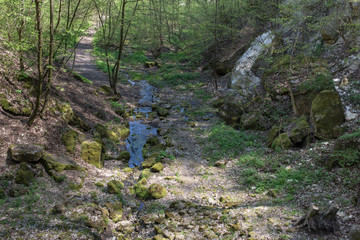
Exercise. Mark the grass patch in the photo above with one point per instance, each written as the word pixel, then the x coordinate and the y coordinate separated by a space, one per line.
pixel 81 78
pixel 225 142
pixel 136 58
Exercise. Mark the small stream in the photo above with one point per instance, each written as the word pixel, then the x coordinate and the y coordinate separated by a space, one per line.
pixel 140 132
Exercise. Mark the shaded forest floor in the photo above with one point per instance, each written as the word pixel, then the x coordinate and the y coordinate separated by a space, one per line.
pixel 221 185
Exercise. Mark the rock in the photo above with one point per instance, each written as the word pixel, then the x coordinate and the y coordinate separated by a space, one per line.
pixel 329 33
pixel 76 121
pixel 58 163
pixel 350 116
pixel 124 155
pixel 93 153
pixel 354 233
pixel 152 141
pixel 274 133
pixel 26 152
pixel 148 163
pixel 149 64
pixel 157 191
pixel 114 133
pixel 69 139
pixel 158 167
pixel 125 227
pixel 302 99
pixel 162 112
pixel 271 193
pixel 106 90
pixel 141 191
pixel 146 173
pixel 282 142
pixel 66 111
pixel 326 114
pixel 114 187
pixel 2 193
pixel 115 211
pixel 254 121
pixel 300 130
pixel 59 208
pixel 24 175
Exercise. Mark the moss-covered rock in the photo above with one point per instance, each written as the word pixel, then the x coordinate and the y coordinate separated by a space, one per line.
pixel 254 121
pixel 148 163
pixel 69 139
pixel 128 170
pixel 114 133
pixel 274 133
pixel 76 121
pixel 157 191
pixel 58 163
pixel 300 130
pixel 162 112
pixel 24 175
pixel 26 152
pixel 141 190
pixel 124 156
pixel 152 141
pixel 146 173
pixel 93 153
pixel 282 142
pixel 106 90
pixel 327 114
pixel 115 211
pixel 122 131
pixel 158 167
pixel 66 111
pixel 114 187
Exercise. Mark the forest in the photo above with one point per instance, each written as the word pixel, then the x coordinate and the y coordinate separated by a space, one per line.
pixel 180 119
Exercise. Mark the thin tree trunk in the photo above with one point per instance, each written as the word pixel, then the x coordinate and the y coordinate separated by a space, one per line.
pixel 39 65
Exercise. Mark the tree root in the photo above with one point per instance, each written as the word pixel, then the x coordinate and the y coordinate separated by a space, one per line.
pixel 315 220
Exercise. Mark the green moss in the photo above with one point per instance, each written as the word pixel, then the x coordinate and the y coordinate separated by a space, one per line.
pixel 81 78
pixel 93 153
pixel 106 90
pixel 5 104
pixel 2 193
pixel 158 167
pixel 24 175
pixel 146 173
pixel 157 191
pixel 282 142
pixel 141 191
pixel 58 163
pixel 114 187
pixel 300 131
pixel 128 170
pixel 115 211
pixel 162 112
pixel 69 139
pixel 99 184
pixel 124 155
pixel 152 141
pixel 76 121
pixel 274 133
pixel 66 111
pixel 26 111
pixel 148 163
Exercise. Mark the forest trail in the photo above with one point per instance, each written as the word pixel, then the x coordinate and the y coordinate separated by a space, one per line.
pixel 85 63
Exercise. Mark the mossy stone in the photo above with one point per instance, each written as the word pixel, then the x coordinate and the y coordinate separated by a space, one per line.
pixel 115 211
pixel 128 170
pixel 162 112
pixel 26 152
pixel 148 163
pixel 274 133
pixel 146 173
pixel 300 130
pixel 158 167
pixel 282 142
pixel 2 193
pixel 122 131
pixel 93 153
pixel 141 191
pixel 66 111
pixel 24 175
pixel 106 90
pixel 157 191
pixel 69 139
pixel 58 163
pixel 26 111
pixel 5 104
pixel 114 187
pixel 152 141
pixel 76 121
pixel 124 155
pixel 327 114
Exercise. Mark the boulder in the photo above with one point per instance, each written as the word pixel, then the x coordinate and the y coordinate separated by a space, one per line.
pixel 274 133
pixel 158 167
pixel 69 139
pixel 24 175
pixel 282 141
pixel 254 121
pixel 26 152
pixel 327 114
pixel 162 112
pixel 152 141
pixel 115 211
pixel 114 187
pixel 302 100
pixel 124 155
pixel 157 191
pixel 66 111
pixel 146 173
pixel 300 130
pixel 58 163
pixel 148 163
pixel 329 33
pixel 141 190
pixel 93 153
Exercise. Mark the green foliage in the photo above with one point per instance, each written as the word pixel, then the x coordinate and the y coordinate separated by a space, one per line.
pixel 136 58
pixel 347 158
pixel 225 142
pixel 354 135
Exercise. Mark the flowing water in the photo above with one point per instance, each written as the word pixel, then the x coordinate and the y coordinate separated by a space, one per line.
pixel 139 131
